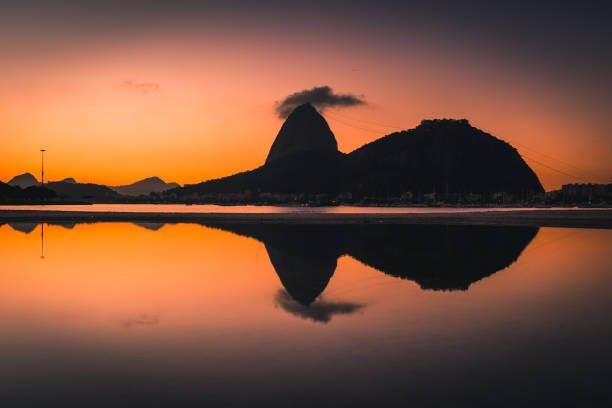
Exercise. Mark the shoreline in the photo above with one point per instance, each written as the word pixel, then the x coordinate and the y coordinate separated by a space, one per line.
pixel 534 218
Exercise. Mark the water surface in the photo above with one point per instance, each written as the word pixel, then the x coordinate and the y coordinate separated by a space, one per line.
pixel 247 315
pixel 265 209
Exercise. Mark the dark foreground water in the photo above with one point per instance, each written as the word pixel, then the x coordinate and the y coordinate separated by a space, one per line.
pixel 119 314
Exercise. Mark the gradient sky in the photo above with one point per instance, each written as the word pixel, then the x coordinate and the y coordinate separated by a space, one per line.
pixel 186 90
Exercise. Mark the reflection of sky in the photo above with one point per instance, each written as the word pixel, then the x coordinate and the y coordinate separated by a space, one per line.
pixel 211 292
pixel 204 79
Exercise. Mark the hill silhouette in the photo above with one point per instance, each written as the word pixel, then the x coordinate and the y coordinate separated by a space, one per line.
pixel 81 191
pixel 304 130
pixel 304 158
pixel 33 194
pixel 24 181
pixel 144 187
pixel 448 157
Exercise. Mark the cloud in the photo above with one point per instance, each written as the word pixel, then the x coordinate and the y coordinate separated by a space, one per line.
pixel 321 97
pixel 140 87
pixel 319 311
pixel 139 321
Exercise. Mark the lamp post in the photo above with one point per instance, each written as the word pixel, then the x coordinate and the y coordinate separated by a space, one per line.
pixel 42 165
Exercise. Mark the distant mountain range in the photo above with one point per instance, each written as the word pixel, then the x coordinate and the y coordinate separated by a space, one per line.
pixel 145 187
pixel 32 194
pixel 26 187
pixel 73 191
pixel 445 156
pixel 24 181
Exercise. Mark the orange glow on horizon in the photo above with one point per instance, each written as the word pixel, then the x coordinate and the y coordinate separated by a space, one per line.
pixel 213 114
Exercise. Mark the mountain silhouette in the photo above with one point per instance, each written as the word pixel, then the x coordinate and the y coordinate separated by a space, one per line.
pixel 33 194
pixel 7 191
pixel 449 157
pixel 303 158
pixel 24 181
pixel 446 156
pixel 435 257
pixel 144 187
pixel 69 180
pixel 304 130
pixel 81 191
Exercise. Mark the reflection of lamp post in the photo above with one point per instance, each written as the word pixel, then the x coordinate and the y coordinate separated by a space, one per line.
pixel 42 166
pixel 42 241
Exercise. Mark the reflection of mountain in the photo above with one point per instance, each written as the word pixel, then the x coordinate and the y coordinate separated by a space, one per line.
pixel 304 256
pixel 25 227
pixel 439 257
pixel 153 226
pixel 435 257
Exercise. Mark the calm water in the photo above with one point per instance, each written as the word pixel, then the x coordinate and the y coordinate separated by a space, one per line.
pixel 120 314
pixel 259 209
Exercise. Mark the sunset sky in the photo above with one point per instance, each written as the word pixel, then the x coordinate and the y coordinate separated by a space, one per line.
pixel 187 90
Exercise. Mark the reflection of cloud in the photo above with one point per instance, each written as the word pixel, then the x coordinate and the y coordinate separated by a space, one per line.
pixel 320 97
pixel 141 87
pixel 142 320
pixel 319 311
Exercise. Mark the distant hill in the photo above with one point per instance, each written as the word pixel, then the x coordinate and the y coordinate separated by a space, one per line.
pixel 81 191
pixel 24 180
pixel 448 157
pixel 145 187
pixel 33 194
pixel 69 180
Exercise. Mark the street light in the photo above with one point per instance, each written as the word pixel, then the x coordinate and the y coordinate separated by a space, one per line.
pixel 42 171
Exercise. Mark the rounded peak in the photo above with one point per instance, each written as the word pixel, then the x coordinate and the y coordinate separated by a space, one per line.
pixel 304 130
pixel 25 175
pixel 154 179
pixel 23 180
pixel 303 108
pixel 444 122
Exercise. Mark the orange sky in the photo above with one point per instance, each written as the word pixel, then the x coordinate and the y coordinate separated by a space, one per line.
pixel 213 112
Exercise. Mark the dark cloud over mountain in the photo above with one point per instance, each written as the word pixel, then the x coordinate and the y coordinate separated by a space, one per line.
pixel 321 97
